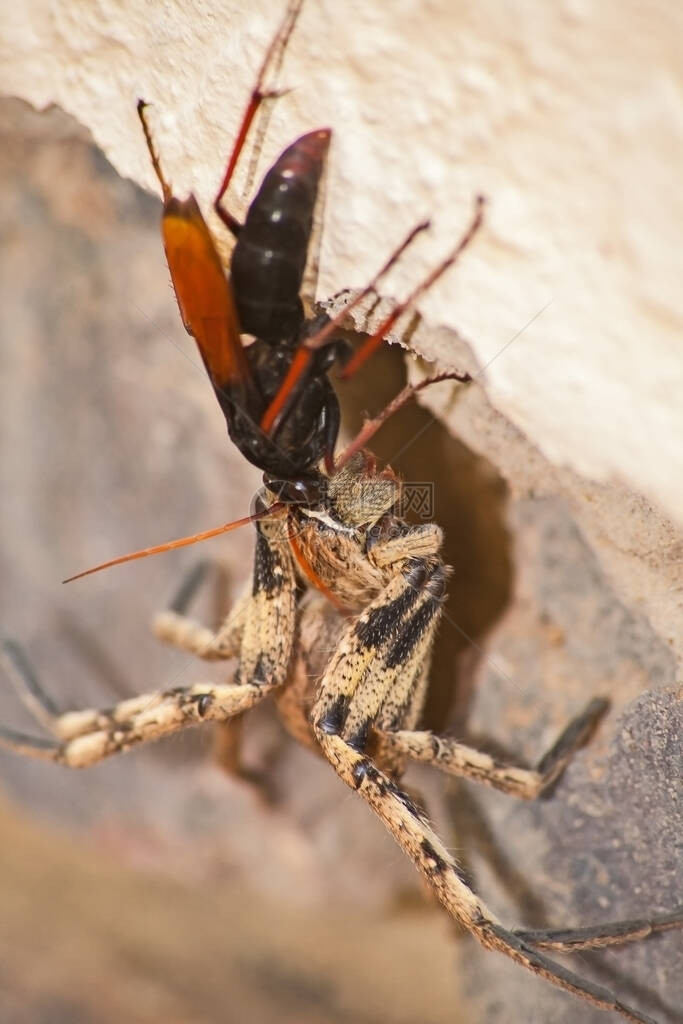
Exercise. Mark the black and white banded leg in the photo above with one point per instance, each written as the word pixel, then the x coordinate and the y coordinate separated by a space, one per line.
pixel 454 758
pixel 81 738
pixel 411 830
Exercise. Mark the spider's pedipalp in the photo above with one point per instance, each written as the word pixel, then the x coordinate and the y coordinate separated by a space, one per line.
pixel 456 758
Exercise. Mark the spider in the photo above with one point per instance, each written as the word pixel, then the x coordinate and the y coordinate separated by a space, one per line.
pixel 389 579
pixel 333 559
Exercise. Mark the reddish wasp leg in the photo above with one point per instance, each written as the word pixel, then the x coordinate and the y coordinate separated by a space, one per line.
pixel 182 542
pixel 368 347
pixel 370 427
pixel 274 56
pixel 287 390
pixel 294 377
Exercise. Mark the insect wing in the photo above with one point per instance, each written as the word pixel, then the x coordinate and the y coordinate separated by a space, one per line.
pixel 204 294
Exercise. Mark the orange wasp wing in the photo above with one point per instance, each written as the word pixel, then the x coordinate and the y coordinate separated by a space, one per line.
pixel 205 299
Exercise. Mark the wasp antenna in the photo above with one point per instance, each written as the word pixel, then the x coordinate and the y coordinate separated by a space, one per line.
pixel 156 164
pixel 182 542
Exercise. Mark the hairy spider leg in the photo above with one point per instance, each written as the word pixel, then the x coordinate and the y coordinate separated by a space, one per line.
pixel 371 687
pixel 454 758
pixel 261 630
pixel 411 830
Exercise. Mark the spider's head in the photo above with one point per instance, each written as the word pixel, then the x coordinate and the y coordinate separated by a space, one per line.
pixel 358 496
pixel 355 498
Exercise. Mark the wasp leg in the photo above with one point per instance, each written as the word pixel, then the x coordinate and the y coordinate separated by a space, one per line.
pixel 270 65
pixel 371 344
pixel 458 759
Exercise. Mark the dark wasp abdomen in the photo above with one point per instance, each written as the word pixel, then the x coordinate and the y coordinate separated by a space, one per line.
pixel 269 259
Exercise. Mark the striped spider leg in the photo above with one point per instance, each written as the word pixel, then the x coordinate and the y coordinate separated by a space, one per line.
pixel 388 582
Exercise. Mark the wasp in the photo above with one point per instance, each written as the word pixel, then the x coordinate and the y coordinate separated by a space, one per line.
pixel 280 407
pixel 336 567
